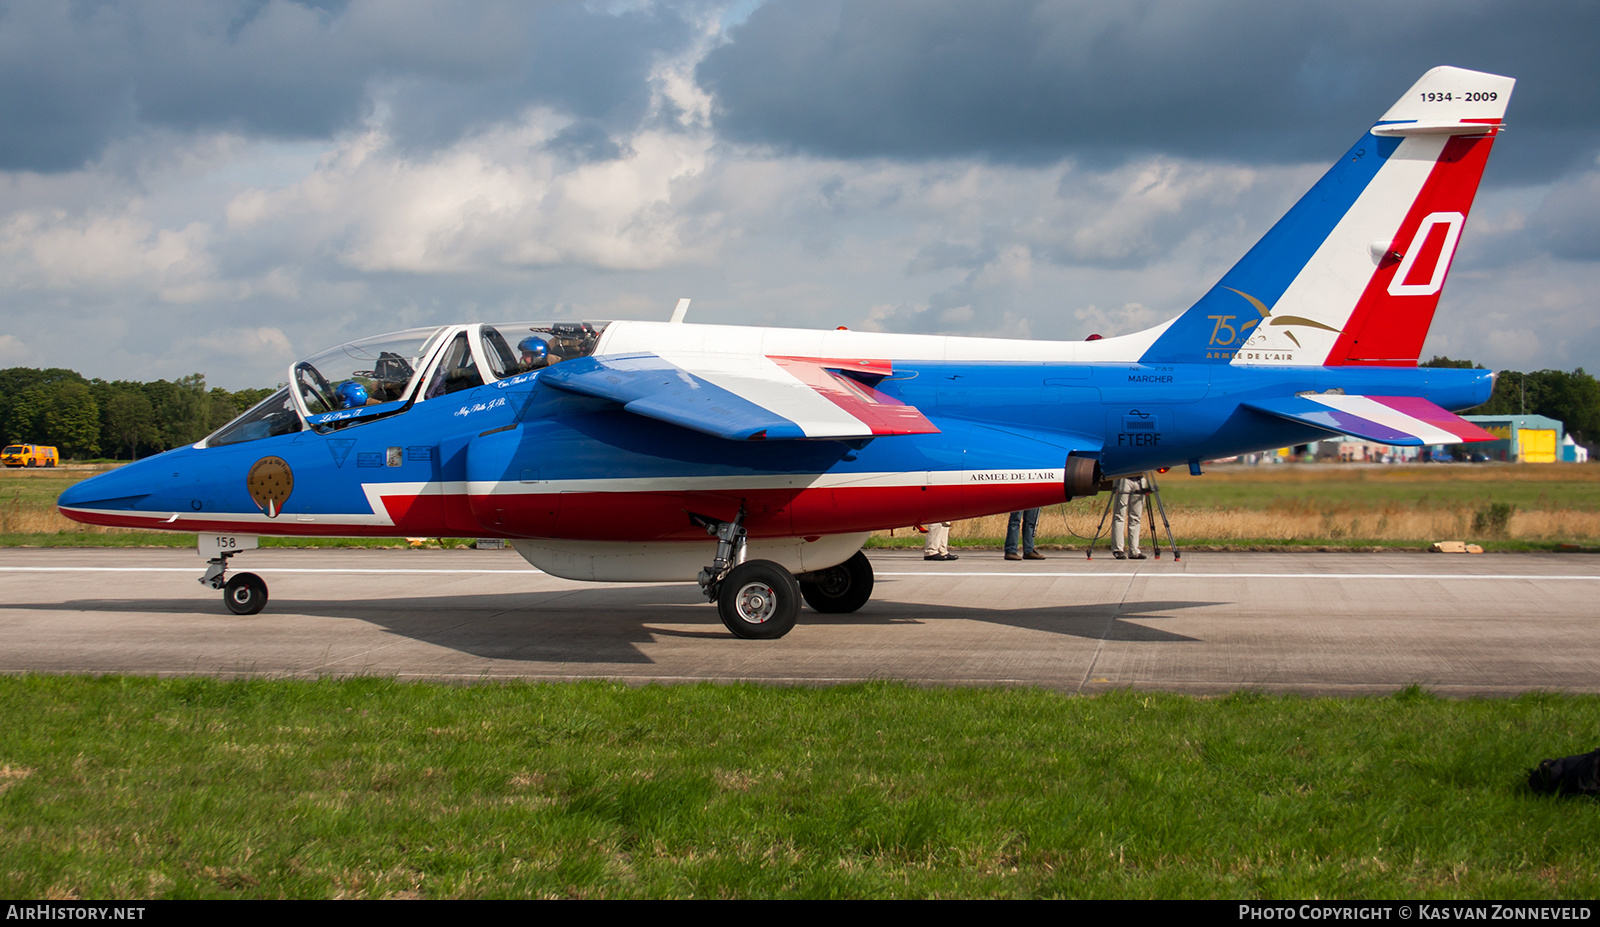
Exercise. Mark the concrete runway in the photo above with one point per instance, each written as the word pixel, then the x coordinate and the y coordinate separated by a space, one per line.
pixel 1493 624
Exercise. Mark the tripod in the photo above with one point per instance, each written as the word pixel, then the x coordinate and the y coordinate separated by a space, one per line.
pixel 1154 490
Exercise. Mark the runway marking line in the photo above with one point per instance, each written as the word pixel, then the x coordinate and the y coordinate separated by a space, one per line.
pixel 11 569
pixel 1156 575
pixel 1007 574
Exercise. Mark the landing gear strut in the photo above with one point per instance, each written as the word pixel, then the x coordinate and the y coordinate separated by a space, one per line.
pixel 756 599
pixel 245 593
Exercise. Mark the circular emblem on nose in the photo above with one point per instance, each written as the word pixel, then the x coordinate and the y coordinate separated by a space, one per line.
pixel 270 483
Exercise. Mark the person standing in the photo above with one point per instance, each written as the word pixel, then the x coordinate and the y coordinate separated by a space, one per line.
pixel 1127 512
pixel 938 544
pixel 1027 523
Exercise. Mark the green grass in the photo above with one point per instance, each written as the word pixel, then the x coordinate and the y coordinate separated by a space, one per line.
pixel 120 787
pixel 1525 486
pixel 38 487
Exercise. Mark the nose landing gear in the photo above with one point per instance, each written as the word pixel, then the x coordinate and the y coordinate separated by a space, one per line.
pixel 245 593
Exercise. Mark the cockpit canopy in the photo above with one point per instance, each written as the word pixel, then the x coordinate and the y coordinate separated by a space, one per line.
pixel 386 374
pixel 384 367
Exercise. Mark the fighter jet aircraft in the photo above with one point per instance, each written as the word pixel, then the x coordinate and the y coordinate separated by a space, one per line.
pixel 757 460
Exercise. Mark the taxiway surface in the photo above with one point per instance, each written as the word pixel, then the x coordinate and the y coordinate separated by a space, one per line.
pixel 1494 624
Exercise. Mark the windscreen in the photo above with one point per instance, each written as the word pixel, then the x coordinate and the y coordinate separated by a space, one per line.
pixel 370 372
pixel 272 416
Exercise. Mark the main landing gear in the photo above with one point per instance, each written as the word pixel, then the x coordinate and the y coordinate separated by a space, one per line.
pixel 245 593
pixel 760 599
pixel 841 589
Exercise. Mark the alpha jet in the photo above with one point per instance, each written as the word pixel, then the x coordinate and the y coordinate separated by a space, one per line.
pixel 756 461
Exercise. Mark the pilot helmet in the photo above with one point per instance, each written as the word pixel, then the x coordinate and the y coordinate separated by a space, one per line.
pixel 352 395
pixel 533 347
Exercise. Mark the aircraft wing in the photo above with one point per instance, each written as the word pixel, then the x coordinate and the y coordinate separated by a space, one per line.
pixel 745 397
pixel 1404 421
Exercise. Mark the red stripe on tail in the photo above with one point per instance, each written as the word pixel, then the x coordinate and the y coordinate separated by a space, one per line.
pixel 1391 320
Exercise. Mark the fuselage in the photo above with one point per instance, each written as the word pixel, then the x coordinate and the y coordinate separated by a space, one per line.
pixel 516 459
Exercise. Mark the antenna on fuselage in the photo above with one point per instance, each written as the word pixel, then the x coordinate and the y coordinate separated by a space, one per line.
pixel 680 311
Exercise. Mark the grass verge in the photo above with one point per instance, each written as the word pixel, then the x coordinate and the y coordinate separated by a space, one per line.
pixel 118 787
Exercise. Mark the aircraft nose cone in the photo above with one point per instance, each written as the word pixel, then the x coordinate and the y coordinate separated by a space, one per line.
pixel 121 488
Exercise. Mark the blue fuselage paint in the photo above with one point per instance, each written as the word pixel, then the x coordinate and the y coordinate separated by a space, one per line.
pixel 1133 417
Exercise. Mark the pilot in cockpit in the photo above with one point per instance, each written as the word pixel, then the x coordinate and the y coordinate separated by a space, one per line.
pixel 535 353
pixel 352 395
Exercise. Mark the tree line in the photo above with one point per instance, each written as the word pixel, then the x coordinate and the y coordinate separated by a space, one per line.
pixel 1572 398
pixel 121 419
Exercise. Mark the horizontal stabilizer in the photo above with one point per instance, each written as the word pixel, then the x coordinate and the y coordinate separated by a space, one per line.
pixel 746 398
pixel 1439 127
pixel 1404 421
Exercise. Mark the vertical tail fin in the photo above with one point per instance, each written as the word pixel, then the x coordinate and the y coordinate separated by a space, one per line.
pixel 1352 274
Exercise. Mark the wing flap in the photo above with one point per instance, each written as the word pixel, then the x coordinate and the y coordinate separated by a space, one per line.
pixel 850 385
pixel 746 397
pixel 1403 421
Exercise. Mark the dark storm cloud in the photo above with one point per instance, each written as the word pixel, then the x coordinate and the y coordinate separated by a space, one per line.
pixel 593 66
pixel 75 77
pixel 1032 80
pixel 1568 222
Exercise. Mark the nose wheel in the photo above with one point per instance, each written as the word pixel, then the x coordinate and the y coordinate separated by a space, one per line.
pixel 245 593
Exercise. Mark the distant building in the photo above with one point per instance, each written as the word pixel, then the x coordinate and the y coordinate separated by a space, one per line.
pixel 1521 438
pixel 1345 449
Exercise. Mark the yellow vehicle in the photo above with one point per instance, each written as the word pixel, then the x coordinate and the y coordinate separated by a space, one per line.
pixel 29 455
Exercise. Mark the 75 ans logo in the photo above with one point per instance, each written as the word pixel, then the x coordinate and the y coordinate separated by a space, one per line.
pixel 1224 333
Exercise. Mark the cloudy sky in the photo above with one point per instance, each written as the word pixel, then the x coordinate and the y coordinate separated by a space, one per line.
pixel 223 186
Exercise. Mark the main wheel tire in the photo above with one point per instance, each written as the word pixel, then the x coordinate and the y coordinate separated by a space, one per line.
pixel 245 594
pixel 759 600
pixel 841 589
